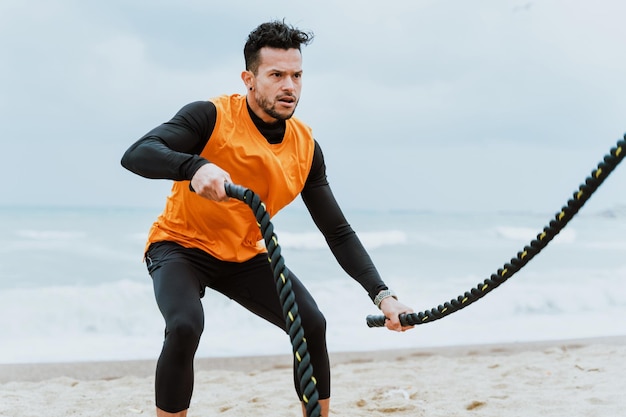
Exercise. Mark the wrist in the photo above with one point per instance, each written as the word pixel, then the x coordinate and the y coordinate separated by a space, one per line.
pixel 382 295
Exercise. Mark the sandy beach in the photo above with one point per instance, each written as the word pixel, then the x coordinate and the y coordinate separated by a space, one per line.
pixel 557 378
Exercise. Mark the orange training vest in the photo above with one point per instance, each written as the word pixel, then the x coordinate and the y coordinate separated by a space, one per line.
pixel 277 173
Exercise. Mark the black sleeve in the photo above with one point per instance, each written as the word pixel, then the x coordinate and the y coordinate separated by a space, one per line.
pixel 342 240
pixel 171 150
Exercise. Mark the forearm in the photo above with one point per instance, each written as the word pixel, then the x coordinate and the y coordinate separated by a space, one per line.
pixel 171 150
pixel 151 158
pixel 354 259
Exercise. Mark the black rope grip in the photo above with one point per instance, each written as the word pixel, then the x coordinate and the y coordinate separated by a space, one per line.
pixel 293 322
pixel 561 219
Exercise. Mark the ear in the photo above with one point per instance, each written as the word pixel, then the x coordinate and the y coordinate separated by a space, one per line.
pixel 248 79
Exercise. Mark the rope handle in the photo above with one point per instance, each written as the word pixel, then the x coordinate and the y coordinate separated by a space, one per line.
pixel 561 219
pixel 410 319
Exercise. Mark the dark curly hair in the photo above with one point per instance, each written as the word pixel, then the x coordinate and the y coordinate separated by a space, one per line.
pixel 275 34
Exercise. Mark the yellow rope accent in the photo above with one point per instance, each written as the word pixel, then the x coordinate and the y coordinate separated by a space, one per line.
pixel 580 194
pixel 598 172
pixel 424 319
pixel 291 316
pixel 283 278
pixel 524 254
pixel 313 379
pixel 444 310
pixel 464 300
pixel 275 240
pixel 484 287
pixel 298 357
pixel 542 235
pixel 305 399
pixel 618 151
pixel 561 215
pixel 504 271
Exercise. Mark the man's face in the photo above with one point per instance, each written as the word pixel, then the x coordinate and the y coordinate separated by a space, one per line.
pixel 277 84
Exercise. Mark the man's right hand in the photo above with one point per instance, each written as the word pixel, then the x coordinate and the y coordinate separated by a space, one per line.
pixel 208 182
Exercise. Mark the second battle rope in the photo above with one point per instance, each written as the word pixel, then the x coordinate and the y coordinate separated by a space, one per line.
pixel 304 369
pixel 561 219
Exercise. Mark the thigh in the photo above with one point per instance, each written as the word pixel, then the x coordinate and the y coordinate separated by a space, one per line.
pixel 176 282
pixel 252 285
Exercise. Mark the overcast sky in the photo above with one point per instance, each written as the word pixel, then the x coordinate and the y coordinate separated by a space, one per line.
pixel 485 105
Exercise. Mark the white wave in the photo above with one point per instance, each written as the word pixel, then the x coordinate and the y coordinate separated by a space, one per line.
pixel 50 234
pixel 50 318
pixel 308 240
pixel 120 320
pixel 526 234
pixel 373 240
pixel 315 240
pixel 138 236
pixel 607 245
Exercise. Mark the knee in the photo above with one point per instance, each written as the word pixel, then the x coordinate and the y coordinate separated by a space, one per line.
pixel 314 324
pixel 184 331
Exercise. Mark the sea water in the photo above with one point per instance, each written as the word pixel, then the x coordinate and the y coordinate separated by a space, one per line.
pixel 73 286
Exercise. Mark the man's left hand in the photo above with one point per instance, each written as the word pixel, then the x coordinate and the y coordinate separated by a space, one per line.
pixel 392 309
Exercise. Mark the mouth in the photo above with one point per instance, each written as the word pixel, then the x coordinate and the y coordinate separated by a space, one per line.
pixel 287 100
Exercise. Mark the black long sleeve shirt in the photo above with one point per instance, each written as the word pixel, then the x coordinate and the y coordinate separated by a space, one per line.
pixel 172 151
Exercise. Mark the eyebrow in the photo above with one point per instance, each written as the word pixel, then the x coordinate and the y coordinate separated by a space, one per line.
pixel 279 70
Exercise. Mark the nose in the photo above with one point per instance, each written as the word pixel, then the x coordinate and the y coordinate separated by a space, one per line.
pixel 289 84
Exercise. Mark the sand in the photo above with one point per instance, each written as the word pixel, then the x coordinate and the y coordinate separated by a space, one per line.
pixel 584 377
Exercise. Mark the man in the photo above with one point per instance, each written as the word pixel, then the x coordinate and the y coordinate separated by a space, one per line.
pixel 204 239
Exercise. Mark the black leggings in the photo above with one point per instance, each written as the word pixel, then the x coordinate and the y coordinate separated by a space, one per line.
pixel 180 276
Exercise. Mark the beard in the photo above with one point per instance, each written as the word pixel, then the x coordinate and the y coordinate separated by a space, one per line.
pixel 269 107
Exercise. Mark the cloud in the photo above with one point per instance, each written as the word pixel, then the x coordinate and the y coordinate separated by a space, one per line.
pixel 385 83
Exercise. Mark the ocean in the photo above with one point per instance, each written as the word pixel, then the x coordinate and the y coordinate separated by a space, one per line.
pixel 73 286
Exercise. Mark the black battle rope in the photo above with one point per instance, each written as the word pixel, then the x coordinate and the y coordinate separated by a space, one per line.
pixel 310 396
pixel 508 270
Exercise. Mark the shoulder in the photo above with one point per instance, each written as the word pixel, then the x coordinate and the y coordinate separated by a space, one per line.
pixel 228 101
pixel 197 113
pixel 198 107
pixel 317 174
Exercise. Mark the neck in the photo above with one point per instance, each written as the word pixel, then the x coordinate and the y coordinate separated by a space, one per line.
pixel 258 111
pixel 272 132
